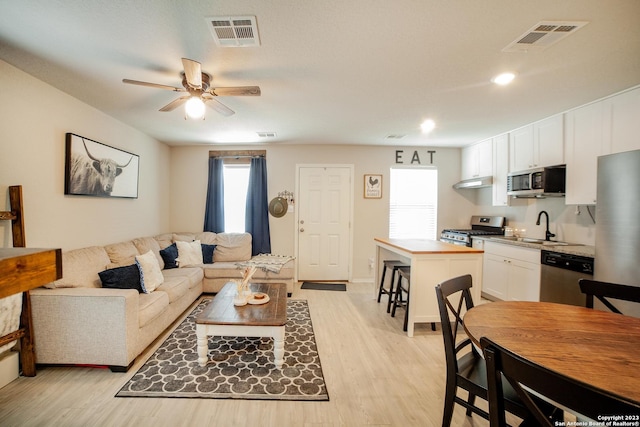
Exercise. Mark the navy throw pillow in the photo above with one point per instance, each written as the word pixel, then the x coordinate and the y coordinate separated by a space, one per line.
pixel 127 277
pixel 207 253
pixel 169 255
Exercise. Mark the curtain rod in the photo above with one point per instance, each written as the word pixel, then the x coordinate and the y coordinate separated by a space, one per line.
pixel 243 156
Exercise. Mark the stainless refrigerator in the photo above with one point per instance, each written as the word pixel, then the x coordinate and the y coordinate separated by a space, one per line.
pixel 617 255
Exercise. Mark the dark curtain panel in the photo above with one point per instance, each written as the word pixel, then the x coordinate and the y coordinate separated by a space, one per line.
pixel 257 219
pixel 214 209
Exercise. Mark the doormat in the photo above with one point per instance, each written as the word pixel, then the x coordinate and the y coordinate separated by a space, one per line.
pixel 324 286
pixel 238 367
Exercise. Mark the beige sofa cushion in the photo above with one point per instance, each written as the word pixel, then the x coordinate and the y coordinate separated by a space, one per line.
pixel 232 247
pixel 121 254
pixel 194 274
pixel 146 244
pixel 80 268
pixel 151 306
pixel 183 237
pixel 164 240
pixel 206 237
pixel 175 287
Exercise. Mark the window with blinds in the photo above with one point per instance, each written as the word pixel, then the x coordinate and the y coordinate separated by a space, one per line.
pixel 413 203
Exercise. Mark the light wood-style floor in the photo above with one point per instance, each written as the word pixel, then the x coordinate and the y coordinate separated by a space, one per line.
pixel 374 373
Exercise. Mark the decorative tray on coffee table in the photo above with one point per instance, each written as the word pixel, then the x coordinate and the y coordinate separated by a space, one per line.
pixel 258 298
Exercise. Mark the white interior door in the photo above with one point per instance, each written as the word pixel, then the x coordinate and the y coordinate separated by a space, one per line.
pixel 324 215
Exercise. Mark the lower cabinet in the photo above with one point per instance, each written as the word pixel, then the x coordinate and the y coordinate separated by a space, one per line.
pixel 510 273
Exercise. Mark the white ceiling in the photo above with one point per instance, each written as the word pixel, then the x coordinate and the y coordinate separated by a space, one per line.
pixel 331 71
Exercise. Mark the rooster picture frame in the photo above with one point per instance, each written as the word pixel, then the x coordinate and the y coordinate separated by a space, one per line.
pixel 372 186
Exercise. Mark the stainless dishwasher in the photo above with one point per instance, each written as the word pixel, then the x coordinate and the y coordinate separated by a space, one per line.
pixel 559 277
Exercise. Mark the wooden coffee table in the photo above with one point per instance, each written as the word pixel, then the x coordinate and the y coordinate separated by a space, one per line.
pixel 222 318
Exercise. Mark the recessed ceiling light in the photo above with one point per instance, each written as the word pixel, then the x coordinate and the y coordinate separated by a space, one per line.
pixel 427 126
pixel 503 79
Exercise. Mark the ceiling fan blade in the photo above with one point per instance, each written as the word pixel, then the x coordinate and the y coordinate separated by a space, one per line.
pixel 193 72
pixel 218 106
pixel 175 103
pixel 156 85
pixel 236 91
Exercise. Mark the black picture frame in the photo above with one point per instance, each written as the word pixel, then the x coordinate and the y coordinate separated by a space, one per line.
pixel 99 170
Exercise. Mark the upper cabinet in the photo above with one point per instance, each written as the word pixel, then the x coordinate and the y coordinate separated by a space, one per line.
pixel 621 121
pixel 604 127
pixel 500 169
pixel 537 145
pixel 477 160
pixel 585 143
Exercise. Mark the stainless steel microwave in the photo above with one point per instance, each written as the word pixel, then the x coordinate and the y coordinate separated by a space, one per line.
pixel 540 182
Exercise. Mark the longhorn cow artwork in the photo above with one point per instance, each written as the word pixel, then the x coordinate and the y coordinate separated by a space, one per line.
pixel 96 169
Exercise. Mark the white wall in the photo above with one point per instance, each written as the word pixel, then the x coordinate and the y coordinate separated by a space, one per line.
pixel 34 120
pixel 189 168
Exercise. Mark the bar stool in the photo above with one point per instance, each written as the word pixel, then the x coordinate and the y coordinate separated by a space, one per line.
pixel 393 265
pixel 404 273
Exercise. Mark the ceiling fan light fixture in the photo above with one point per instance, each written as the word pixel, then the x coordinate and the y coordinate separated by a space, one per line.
pixel 503 79
pixel 194 108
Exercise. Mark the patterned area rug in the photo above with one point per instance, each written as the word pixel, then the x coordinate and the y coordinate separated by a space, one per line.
pixel 238 368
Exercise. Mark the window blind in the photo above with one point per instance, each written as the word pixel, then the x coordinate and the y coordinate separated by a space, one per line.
pixel 413 203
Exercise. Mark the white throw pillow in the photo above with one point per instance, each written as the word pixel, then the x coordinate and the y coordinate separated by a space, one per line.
pixel 189 253
pixel 150 273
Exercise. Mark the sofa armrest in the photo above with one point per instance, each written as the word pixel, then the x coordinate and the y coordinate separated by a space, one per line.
pixel 85 325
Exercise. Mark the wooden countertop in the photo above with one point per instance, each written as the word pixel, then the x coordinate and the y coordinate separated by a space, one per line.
pixel 426 246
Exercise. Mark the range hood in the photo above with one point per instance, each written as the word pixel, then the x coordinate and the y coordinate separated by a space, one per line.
pixel 480 182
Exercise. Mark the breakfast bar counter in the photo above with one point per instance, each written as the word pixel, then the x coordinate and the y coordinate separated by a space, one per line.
pixel 431 262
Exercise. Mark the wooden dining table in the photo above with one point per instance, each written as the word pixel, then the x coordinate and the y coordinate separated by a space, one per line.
pixel 596 347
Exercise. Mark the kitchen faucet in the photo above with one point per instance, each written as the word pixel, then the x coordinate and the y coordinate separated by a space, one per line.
pixel 548 235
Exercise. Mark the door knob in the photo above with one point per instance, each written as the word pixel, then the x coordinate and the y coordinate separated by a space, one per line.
pixel 302 230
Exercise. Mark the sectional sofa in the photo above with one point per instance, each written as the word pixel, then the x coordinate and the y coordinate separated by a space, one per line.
pixel 78 321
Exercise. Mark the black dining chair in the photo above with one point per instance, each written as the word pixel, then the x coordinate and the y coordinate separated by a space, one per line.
pixel 527 378
pixel 466 368
pixel 605 290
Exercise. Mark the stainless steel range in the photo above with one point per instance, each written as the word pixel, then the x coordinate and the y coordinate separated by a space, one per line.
pixel 480 226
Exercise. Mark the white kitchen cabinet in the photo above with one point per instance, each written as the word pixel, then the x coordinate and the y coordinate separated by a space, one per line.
pixel 521 149
pixel 500 169
pixel 495 272
pixel 604 127
pixel 584 143
pixel 477 160
pixel 511 273
pixel 621 122
pixel 548 141
pixel 537 145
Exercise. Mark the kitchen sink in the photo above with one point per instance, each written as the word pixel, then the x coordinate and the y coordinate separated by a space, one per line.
pixel 542 242
pixel 530 240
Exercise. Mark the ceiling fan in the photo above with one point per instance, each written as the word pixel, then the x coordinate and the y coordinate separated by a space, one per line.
pixel 197 85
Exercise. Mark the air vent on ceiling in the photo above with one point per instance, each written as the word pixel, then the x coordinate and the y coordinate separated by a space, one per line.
pixel 395 136
pixel 544 34
pixel 234 31
pixel 266 134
